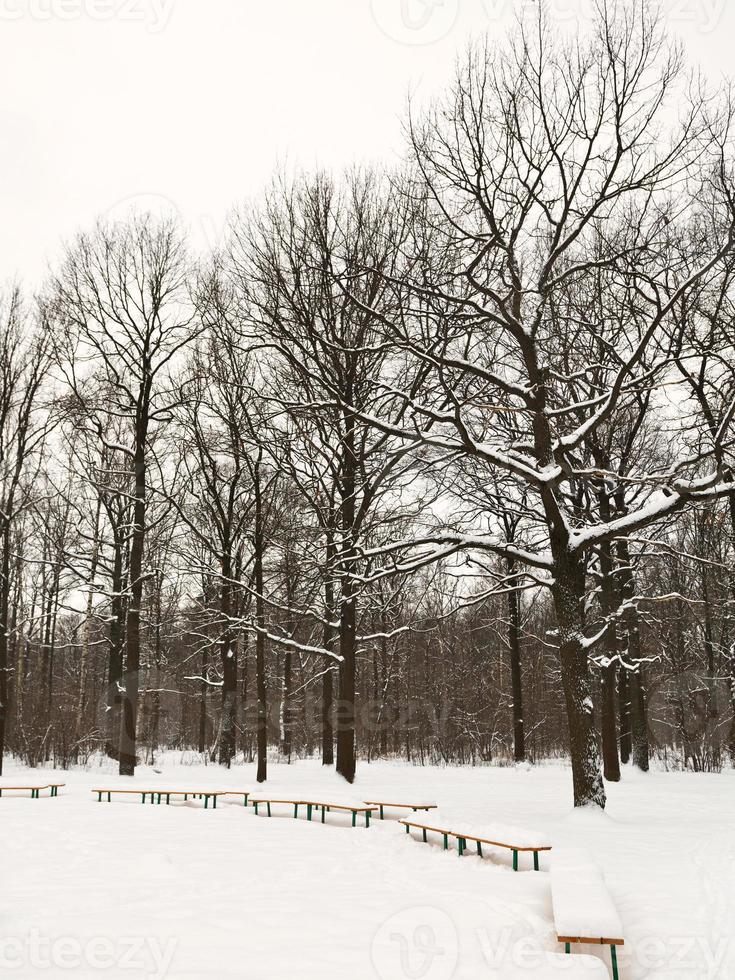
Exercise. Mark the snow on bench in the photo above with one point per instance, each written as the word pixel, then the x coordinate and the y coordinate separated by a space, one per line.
pixel 514 839
pixel 382 804
pixel 34 789
pixel 583 909
pixel 557 964
pixel 315 801
pixel 158 794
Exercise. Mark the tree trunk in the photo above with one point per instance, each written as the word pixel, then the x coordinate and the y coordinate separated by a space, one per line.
pixel 328 679
pixel 228 648
pixel 261 694
pixel 608 603
pixel 568 593
pixel 135 584
pixel 624 715
pixel 514 645
pixel 4 618
pixel 638 723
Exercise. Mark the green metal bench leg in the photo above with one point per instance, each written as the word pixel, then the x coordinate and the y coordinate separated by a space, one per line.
pixel 99 797
pixel 461 845
pixel 159 799
pixel 206 800
pixel 295 810
pixel 309 811
pixel 142 797
pixel 535 860
pixel 214 801
pixel 479 848
pixel 408 829
pixel 614 955
pixel 109 799
pixel 245 799
pixel 446 841
pixel 269 808
pixel 256 809
pixel 381 811
pixel 354 818
pixel 168 799
pixel 567 947
pixel 324 814
pixel 367 818
pixel 423 833
pixel 515 860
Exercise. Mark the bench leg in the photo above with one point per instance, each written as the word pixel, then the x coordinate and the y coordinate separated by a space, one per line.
pixel 186 797
pixel 269 808
pixel 109 799
pixel 323 815
pixel 479 848
pixel 214 801
pixel 354 818
pixel 461 845
pixel 256 809
pixel 245 800
pixel 295 810
pixel 535 860
pixel 408 829
pixel 614 955
pixel 367 818
pixel 381 811
pixel 423 834
pixel 168 799
pixel 446 841
pixel 206 800
pixel 99 797
pixel 567 947
pixel 309 811
pixel 515 860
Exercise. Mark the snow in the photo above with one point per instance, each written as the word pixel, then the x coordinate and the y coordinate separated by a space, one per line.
pixel 581 902
pixel 501 833
pixel 124 890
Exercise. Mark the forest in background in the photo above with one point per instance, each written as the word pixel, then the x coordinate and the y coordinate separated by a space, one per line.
pixel 433 464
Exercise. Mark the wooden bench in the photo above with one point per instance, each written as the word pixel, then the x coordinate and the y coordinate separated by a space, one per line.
pixel 381 804
pixel 157 795
pixel 511 838
pixel 312 805
pixel 34 790
pixel 583 909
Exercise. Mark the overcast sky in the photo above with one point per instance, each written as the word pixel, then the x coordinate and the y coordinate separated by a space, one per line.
pixel 189 104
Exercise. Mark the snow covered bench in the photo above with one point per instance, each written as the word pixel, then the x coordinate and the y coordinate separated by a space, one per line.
pixel 314 804
pixel 157 795
pixel 382 804
pixel 34 790
pixel 583 909
pixel 492 835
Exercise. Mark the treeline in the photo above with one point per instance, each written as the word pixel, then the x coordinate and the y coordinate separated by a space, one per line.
pixel 433 464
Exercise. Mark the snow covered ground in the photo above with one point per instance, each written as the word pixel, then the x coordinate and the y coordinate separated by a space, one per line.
pixel 94 889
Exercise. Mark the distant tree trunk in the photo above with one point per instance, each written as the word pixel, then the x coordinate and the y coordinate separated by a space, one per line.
pixel 87 625
pixel 116 641
pixel 608 604
pixel 4 620
pixel 624 715
pixel 514 645
pixel 636 680
pixel 202 735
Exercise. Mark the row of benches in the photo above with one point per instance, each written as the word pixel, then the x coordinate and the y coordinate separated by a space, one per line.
pixel 582 907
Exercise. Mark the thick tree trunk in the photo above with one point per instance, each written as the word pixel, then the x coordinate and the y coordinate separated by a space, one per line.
pixel 328 679
pixel 261 694
pixel 128 746
pixel 624 715
pixel 228 648
pixel 568 593
pixel 514 645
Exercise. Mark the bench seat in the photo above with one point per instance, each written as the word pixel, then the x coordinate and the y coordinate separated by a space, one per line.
pixel 315 804
pixel 514 839
pixel 386 804
pixel 34 790
pixel 584 912
pixel 158 794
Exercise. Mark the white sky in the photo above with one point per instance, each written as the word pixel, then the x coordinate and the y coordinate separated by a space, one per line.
pixel 191 103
